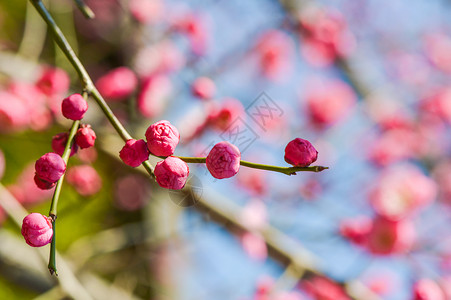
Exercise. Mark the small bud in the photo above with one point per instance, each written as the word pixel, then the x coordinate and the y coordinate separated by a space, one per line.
pixel 162 138
pixel 300 153
pixel 37 230
pixel 42 184
pixel 50 167
pixel 85 136
pixel 74 107
pixel 59 142
pixel 171 173
pixel 223 161
pixel 134 152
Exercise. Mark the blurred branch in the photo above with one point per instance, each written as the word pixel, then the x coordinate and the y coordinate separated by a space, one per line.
pixel 69 282
pixel 85 10
pixel 86 286
pixel 33 38
pixel 286 250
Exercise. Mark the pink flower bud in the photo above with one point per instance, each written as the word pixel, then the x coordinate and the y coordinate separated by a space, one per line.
pixel 203 88
pixel 300 153
pixel 171 173
pixel 162 138
pixel 118 84
pixel 84 179
pixel 53 81
pixel 223 161
pixel 37 230
pixel 42 184
pixel 85 137
pixel 134 152
pixel 74 107
pixel 50 167
pixel 59 142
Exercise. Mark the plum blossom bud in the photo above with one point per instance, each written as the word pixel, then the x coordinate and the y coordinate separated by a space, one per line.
pixel 50 167
pixel 223 161
pixel 84 179
pixel 300 153
pixel 203 88
pixel 85 136
pixel 59 142
pixel 134 152
pixel 162 138
pixel 171 173
pixel 74 107
pixel 118 84
pixel 42 184
pixel 37 230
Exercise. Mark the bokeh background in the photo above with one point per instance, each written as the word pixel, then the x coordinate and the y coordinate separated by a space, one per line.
pixel 367 82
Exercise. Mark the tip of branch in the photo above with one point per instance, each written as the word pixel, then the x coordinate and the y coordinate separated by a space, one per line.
pixel 53 271
pixel 321 168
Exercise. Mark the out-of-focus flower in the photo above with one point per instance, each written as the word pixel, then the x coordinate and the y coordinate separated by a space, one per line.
pixel 53 81
pixel 356 229
pixel 25 189
pixel 427 289
pixel 145 11
pixel 131 192
pixel 117 84
pixel 160 58
pixel 153 95
pixel 401 191
pixel 254 215
pixel 254 245
pixel 391 237
pixel 275 52
pixel 327 102
pixel 437 47
pixel 323 288
pixel 325 36
pixel 195 29
pixel 223 115
pixel 204 88
pixel 84 179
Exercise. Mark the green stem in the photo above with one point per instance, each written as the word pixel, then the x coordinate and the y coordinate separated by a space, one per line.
pixel 52 258
pixel 284 170
pixel 86 80
pixel 56 194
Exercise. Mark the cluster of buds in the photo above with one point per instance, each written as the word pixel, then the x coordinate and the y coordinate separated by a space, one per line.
pixel 50 167
pixel 223 160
